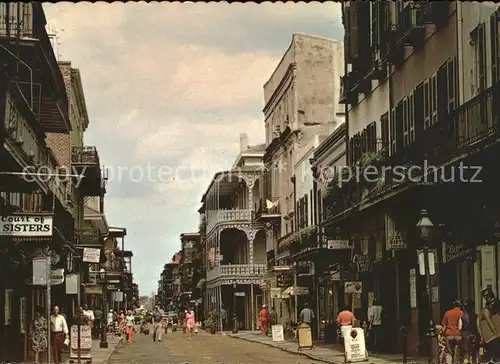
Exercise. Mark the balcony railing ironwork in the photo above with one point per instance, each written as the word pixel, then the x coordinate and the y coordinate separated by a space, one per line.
pixel 227 215
pixel 237 270
pixel 88 236
pixel 471 126
pixel 84 155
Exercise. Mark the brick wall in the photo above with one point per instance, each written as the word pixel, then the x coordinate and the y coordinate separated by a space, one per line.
pixel 60 143
pixel 61 147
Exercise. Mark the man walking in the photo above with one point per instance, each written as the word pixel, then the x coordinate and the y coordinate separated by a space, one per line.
pixel 307 316
pixel 98 315
pixel 59 333
pixel 452 331
pixel 157 317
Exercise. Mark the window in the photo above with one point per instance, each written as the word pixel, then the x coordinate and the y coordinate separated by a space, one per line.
pixel 442 91
pixel 478 36
pixel 392 132
pixel 427 107
pixel 399 126
pixel 495 43
pixel 406 138
pixel 411 118
pixel 433 99
pixel 375 13
pixel 451 74
pixel 384 125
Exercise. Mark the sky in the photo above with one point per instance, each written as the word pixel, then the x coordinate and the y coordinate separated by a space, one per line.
pixel 169 88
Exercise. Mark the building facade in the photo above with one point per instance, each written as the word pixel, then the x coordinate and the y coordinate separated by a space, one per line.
pixel 234 242
pixel 301 102
pixel 419 77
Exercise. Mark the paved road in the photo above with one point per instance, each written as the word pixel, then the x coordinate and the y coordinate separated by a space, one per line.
pixel 203 349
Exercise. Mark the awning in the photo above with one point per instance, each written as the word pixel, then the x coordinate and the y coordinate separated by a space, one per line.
pixel 295 291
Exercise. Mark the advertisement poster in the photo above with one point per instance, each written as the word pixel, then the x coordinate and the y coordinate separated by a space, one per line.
pixel 277 331
pixel 354 342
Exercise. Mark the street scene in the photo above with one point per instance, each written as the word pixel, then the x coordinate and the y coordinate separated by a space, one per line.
pixel 250 183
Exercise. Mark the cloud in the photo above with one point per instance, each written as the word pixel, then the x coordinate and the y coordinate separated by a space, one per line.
pixel 170 84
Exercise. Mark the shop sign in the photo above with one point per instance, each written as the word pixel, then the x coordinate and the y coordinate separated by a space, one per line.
pixel 91 255
pixel 338 244
pixel 363 262
pixel 26 225
pixel 458 252
pixel 353 287
pixel 275 292
pixel 283 280
pixel 394 238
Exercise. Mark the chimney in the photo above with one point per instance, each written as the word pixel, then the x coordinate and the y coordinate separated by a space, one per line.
pixel 243 142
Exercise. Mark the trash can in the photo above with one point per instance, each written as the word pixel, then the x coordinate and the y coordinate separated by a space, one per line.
pixel 235 324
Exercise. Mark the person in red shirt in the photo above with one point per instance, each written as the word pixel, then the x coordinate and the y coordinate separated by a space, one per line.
pixel 264 320
pixel 452 325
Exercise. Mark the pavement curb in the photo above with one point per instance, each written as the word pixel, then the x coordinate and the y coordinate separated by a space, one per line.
pixel 307 355
pixel 112 351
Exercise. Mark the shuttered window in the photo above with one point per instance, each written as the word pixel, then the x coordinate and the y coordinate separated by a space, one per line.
pixel 392 134
pixel 451 74
pixel 427 105
pixel 434 99
pixel 495 43
pixel 384 126
pixel 418 111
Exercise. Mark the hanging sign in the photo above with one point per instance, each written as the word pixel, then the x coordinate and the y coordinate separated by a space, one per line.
pixel 57 276
pixel 353 287
pixel 26 225
pixel 91 255
pixel 363 262
pixel 394 239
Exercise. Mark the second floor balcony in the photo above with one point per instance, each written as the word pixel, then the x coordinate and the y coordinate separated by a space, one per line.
pixel 237 271
pixel 227 216
pixel 268 209
pixel 85 160
pixel 89 237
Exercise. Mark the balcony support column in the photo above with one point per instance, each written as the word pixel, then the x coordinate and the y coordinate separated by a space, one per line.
pixel 250 234
pixel 250 180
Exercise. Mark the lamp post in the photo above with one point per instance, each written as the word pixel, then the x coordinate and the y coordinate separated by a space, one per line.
pixel 235 318
pixel 104 341
pixel 425 228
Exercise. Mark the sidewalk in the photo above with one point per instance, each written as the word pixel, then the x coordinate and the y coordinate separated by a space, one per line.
pixel 321 352
pixel 100 355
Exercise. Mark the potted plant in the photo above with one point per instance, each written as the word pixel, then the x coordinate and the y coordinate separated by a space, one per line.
pixel 211 321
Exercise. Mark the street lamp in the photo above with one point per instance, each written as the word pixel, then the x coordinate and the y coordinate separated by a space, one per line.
pixel 235 318
pixel 425 228
pixel 104 341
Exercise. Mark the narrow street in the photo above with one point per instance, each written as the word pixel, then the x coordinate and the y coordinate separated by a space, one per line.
pixel 204 348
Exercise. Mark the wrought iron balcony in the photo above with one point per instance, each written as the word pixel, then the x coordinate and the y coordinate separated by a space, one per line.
pixel 227 215
pixel 86 155
pixel 89 237
pixel 22 25
pixel 347 95
pixel 436 12
pixel 237 271
pixel 86 161
pixel 410 30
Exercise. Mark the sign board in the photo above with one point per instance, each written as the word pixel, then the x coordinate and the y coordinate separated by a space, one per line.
pixel 413 288
pixel 353 287
pixel 284 280
pixel 354 344
pixel 57 276
pixel 85 343
pixel 41 268
pixel 363 262
pixel 300 291
pixel 305 336
pixel 72 283
pixel 239 294
pixel 91 255
pixel 431 261
pixel 117 296
pixel 394 239
pixel 277 332
pixel 338 244
pixel 26 225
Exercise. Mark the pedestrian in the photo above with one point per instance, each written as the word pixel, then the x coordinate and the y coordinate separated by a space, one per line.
pixel 39 334
pixel 467 352
pixel 129 322
pixel 190 323
pixel 98 322
pixel 110 320
pixel 59 334
pixel 121 323
pixel 375 325
pixel 346 321
pixel 156 320
pixel 452 325
pixel 90 318
pixel 223 316
pixel 264 320
pixel 307 315
pixel 488 325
